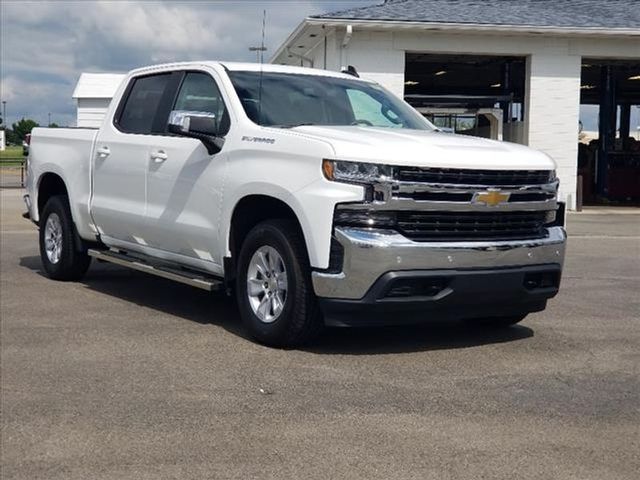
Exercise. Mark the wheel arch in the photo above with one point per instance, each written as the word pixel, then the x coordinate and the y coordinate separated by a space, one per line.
pixel 49 185
pixel 247 213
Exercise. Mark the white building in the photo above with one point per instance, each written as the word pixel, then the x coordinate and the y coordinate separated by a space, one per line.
pixel 93 93
pixel 536 61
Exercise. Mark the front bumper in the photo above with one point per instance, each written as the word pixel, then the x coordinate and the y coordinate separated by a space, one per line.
pixel 481 277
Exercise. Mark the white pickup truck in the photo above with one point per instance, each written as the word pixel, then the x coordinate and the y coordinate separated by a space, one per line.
pixel 317 197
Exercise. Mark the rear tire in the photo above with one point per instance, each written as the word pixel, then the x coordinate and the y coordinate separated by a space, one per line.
pixel 60 258
pixel 273 289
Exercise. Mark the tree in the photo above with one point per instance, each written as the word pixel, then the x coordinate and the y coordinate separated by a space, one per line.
pixel 11 137
pixel 54 125
pixel 24 126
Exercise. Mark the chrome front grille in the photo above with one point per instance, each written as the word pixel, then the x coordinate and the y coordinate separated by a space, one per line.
pixel 455 205
pixel 488 178
pixel 514 197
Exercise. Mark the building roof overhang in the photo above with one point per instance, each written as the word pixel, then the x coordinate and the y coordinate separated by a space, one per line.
pixel 313 24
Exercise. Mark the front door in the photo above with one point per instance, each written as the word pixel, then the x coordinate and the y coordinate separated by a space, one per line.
pixel 184 182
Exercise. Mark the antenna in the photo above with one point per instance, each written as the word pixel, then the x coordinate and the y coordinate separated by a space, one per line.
pixel 262 49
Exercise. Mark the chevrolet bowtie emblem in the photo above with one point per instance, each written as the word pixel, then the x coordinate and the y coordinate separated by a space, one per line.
pixel 491 198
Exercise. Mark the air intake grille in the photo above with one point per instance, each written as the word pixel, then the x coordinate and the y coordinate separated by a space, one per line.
pixel 472 226
pixel 490 178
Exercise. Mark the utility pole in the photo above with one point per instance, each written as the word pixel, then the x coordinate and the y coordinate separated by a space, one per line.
pixel 258 51
pixel 261 49
pixel 49 123
pixel 4 113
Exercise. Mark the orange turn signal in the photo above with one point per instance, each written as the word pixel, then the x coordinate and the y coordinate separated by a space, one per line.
pixel 327 169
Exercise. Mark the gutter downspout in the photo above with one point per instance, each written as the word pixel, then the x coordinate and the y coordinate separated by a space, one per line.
pixel 345 41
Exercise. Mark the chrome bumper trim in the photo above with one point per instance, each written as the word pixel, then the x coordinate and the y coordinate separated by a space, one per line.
pixel 368 254
pixel 397 195
pixel 398 204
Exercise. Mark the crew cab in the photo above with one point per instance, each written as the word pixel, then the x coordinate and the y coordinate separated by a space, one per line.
pixel 316 197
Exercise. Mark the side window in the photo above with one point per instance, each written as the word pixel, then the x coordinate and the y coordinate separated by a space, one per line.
pixel 199 93
pixel 370 110
pixel 141 105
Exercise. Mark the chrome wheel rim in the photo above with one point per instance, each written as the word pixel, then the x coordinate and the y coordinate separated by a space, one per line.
pixel 267 284
pixel 53 238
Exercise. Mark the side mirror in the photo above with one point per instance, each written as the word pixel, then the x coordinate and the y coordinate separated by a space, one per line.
pixel 200 125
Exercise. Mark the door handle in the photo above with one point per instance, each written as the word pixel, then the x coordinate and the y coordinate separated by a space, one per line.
pixel 159 156
pixel 103 152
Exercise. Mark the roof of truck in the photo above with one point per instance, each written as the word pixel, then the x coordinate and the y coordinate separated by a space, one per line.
pixel 250 67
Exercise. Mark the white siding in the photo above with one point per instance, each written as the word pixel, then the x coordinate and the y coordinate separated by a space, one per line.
pixel 552 110
pixel 91 111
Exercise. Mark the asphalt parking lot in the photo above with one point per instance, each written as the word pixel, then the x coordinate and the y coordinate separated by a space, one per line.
pixel 124 375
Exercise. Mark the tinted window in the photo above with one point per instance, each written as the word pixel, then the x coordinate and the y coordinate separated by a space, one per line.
pixel 142 103
pixel 199 93
pixel 287 100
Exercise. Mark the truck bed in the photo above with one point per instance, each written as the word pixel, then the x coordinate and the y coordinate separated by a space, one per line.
pixel 66 152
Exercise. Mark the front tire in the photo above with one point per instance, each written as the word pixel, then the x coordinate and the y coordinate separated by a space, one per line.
pixel 59 256
pixel 273 290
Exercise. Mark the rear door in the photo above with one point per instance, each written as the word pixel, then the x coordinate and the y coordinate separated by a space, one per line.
pixel 123 151
pixel 184 182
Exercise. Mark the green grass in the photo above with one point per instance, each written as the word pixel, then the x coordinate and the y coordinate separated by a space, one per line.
pixel 14 153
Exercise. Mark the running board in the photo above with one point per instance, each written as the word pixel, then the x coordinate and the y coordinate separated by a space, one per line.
pixel 188 277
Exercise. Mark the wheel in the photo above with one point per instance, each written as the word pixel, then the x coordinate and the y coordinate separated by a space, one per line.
pixel 273 290
pixel 498 322
pixel 60 258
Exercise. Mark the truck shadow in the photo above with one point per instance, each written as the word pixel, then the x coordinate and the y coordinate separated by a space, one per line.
pixel 217 309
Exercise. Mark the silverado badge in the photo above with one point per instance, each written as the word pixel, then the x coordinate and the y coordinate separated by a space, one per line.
pixel 491 197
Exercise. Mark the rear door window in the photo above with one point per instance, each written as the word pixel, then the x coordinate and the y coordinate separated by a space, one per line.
pixel 142 102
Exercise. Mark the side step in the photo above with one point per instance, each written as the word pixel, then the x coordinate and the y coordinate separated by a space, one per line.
pixel 188 277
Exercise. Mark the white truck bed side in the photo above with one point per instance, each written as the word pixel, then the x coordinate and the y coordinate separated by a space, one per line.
pixel 66 152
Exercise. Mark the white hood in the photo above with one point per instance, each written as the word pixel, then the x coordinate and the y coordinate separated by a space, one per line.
pixel 426 148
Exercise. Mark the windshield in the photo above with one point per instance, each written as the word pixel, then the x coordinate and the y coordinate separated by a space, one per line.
pixel 290 100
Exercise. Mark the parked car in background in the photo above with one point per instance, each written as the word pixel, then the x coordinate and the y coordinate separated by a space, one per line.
pixel 25 144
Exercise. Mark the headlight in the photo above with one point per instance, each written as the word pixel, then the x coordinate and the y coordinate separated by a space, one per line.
pixel 355 172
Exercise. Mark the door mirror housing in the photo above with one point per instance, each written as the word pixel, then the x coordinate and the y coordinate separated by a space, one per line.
pixel 203 126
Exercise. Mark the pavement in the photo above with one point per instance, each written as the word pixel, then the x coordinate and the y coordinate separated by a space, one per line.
pixel 126 376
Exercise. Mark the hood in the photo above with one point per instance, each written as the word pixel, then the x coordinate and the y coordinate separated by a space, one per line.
pixel 423 148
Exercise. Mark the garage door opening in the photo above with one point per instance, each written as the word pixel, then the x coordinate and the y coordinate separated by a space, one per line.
pixel 480 95
pixel 609 148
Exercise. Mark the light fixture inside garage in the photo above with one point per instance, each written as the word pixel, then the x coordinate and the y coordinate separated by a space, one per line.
pixel 441 72
pixel 411 83
pixel 496 85
pixel 635 77
pixel 587 87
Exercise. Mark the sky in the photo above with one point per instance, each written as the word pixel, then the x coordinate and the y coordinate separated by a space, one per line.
pixel 45 45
